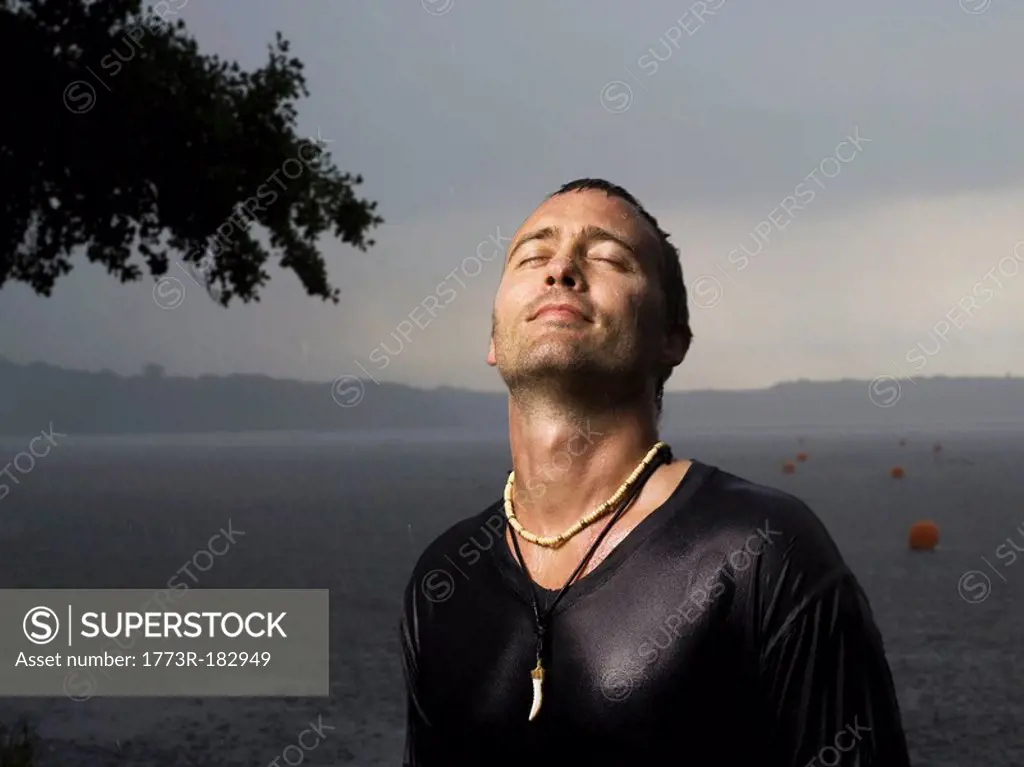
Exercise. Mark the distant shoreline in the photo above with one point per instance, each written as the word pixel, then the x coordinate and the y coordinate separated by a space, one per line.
pixel 37 397
pixel 308 438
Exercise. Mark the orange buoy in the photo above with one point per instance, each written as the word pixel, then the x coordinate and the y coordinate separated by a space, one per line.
pixel 896 472
pixel 801 457
pixel 788 467
pixel 924 535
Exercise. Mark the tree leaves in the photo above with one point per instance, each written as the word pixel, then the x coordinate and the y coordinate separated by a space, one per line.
pixel 119 136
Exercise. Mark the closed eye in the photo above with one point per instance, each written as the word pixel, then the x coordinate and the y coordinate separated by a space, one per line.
pixel 618 263
pixel 530 259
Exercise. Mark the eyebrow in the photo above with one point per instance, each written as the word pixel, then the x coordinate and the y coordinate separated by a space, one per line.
pixel 589 232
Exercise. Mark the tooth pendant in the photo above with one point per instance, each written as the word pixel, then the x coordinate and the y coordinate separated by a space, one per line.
pixel 537 675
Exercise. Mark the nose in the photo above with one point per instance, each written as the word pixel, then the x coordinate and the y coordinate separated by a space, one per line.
pixel 563 271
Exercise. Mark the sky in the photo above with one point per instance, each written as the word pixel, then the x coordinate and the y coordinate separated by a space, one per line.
pixel 843 180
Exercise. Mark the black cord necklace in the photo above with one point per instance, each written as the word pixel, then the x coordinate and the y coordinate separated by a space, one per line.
pixel 542 618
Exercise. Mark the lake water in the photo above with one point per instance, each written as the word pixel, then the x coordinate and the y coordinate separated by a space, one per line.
pixel 351 515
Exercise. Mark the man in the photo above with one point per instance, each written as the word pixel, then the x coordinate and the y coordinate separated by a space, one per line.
pixel 704 620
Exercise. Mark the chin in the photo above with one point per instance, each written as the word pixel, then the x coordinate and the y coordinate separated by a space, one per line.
pixel 555 364
pixel 555 354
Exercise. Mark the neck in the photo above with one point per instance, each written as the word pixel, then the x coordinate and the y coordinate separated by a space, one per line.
pixel 567 461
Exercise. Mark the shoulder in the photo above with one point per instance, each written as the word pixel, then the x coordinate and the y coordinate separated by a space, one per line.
pixel 790 566
pixel 791 533
pixel 453 551
pixel 479 528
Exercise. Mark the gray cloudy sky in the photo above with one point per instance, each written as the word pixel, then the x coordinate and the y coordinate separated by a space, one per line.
pixel 895 257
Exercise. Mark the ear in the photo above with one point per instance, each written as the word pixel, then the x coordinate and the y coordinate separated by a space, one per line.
pixel 677 344
pixel 491 359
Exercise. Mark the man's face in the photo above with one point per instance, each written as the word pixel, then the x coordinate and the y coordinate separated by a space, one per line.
pixel 595 254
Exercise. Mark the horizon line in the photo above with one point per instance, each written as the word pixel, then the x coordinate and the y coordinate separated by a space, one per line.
pixel 171 376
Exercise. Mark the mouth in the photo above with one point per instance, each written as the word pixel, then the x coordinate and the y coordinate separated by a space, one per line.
pixel 560 312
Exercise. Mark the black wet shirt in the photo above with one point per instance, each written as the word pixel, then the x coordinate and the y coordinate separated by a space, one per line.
pixel 724 630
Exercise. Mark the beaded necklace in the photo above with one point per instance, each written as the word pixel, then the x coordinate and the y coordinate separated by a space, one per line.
pixel 625 495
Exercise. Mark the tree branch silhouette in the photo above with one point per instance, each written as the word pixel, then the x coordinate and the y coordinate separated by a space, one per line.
pixel 120 137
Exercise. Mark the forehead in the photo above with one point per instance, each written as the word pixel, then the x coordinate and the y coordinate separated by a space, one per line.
pixel 572 211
